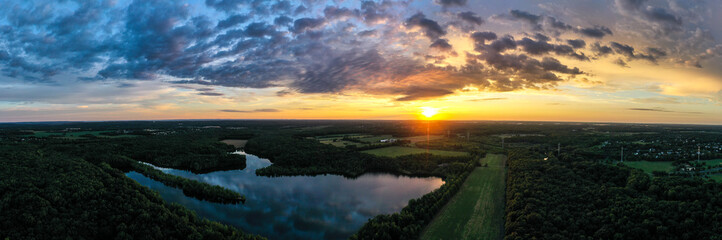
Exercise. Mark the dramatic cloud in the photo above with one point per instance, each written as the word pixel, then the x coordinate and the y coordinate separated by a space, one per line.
pixel 431 28
pixel 303 24
pixel 451 3
pixel 630 53
pixel 470 17
pixel 441 45
pixel 661 110
pixel 232 21
pixel 595 32
pixel 265 110
pixel 577 43
pixel 527 17
pixel 386 47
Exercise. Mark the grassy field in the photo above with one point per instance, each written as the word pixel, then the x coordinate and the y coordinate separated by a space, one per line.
pixel 238 143
pixel 342 143
pixel 74 135
pixel 717 178
pixel 396 151
pixel 374 139
pixel 649 167
pixel 477 211
pixel 421 138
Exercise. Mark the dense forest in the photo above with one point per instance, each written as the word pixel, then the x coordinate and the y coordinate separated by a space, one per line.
pixel 48 195
pixel 587 200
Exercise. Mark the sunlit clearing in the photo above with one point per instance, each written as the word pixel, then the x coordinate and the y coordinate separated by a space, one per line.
pixel 429 112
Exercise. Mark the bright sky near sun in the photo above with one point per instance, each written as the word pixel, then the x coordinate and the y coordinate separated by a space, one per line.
pixel 556 60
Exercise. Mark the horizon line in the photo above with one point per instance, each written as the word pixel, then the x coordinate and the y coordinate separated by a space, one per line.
pixel 341 119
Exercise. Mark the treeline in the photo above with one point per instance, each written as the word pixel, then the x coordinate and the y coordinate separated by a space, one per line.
pixel 300 156
pixel 412 219
pixel 586 200
pixel 198 152
pixel 195 152
pixel 48 195
pixel 191 188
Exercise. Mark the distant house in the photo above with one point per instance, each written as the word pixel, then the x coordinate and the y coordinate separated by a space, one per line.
pixel 388 140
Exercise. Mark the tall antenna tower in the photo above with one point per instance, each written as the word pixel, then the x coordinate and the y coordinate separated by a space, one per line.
pixel 559 149
pixel 698 152
pixel 621 155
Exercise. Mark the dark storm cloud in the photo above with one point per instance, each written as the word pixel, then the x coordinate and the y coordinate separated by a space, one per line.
pixel 210 94
pixel 595 32
pixel 656 52
pixel 629 52
pixel 577 43
pixel 303 24
pixel 626 50
pixel 259 29
pixel 527 17
pixel 601 50
pixel 648 109
pixel 470 17
pixel 431 28
pixel 662 110
pixel 556 24
pixel 250 111
pixel 256 6
pixel 282 21
pixel 482 37
pixel 541 37
pixel 503 44
pixel 542 47
pixel 332 12
pixel 441 45
pixel 232 21
pixel 661 14
pixel 281 7
pixel 451 3
pixel 552 64
pixel 373 12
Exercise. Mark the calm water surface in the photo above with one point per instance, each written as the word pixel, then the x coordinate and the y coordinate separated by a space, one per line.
pixel 320 207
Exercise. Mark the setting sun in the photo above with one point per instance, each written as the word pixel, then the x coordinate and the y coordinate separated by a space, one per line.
pixel 429 111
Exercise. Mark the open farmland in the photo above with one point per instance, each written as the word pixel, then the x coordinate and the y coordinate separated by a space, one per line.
pixel 477 211
pixel 396 151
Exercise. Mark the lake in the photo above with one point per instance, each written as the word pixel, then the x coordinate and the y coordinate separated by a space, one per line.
pixel 299 207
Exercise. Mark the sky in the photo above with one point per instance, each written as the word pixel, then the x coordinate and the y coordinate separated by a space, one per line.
pixel 650 61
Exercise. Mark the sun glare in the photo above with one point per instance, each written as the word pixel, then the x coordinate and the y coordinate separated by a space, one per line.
pixel 429 112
